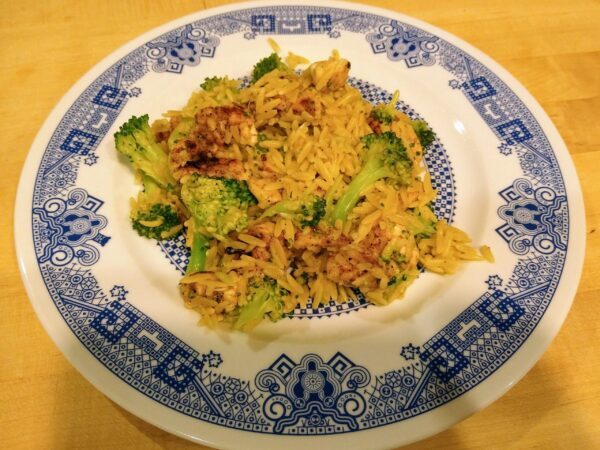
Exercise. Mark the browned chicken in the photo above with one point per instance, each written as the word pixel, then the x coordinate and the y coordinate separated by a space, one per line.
pixel 315 240
pixel 228 168
pixel 263 231
pixel 308 103
pixel 206 150
pixel 195 292
pixel 374 124
pixel 329 75
pixel 343 266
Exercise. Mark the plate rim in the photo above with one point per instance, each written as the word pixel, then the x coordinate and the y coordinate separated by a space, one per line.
pixel 577 236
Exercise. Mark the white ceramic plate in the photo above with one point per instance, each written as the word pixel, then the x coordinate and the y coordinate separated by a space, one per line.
pixel 389 375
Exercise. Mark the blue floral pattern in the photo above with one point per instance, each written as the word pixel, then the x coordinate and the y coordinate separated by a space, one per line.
pixel 65 227
pixel 182 48
pixel 535 218
pixel 313 395
pixel 402 43
pixel 305 394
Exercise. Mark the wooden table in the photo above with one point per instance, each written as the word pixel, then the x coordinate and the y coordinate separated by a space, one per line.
pixel 552 47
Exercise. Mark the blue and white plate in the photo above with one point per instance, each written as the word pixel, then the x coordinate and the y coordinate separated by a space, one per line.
pixel 388 376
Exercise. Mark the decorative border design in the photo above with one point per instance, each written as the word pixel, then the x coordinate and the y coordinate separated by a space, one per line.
pixel 317 395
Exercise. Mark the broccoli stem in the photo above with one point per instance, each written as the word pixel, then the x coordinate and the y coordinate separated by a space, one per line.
pixel 151 187
pixel 198 256
pixel 283 207
pixel 254 311
pixel 371 172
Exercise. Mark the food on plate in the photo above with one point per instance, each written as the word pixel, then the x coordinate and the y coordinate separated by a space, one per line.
pixel 290 188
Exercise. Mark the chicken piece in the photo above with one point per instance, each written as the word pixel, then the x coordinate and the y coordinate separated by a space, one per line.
pixel 219 126
pixel 342 266
pixel 344 269
pixel 374 243
pixel 224 299
pixel 265 232
pixel 227 168
pixel 283 105
pixel 162 129
pixel 260 253
pixel 374 124
pixel 329 75
pixel 315 241
pixel 262 230
pixel 308 103
pixel 209 141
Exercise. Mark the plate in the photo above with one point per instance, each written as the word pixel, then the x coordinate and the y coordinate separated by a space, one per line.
pixel 388 376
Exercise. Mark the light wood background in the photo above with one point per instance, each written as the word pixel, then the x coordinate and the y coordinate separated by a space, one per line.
pixel 552 47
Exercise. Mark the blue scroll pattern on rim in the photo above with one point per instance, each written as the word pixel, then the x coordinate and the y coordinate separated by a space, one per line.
pixel 65 229
pixel 534 218
pixel 316 395
pixel 180 48
pixel 402 43
pixel 313 396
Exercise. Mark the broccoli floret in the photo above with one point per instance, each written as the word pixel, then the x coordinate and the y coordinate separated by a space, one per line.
pixel 393 283
pixel 266 65
pixel 383 114
pixel 210 83
pixel 385 157
pixel 155 214
pixel 424 133
pixel 263 299
pixel 420 225
pixel 135 140
pixel 397 280
pixel 157 222
pixel 218 206
pixel 307 212
pixel 240 190
pixel 312 211
pixel 392 254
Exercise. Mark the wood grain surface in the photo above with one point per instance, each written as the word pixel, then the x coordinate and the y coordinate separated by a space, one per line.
pixel 552 47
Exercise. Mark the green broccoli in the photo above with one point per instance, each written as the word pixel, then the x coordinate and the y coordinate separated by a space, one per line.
pixel 391 253
pixel 135 140
pixel 307 212
pixel 155 214
pixel 266 65
pixel 420 225
pixel 161 214
pixel 218 206
pixel 210 83
pixel 424 133
pixel 264 298
pixel 383 113
pixel 385 157
pixel 395 280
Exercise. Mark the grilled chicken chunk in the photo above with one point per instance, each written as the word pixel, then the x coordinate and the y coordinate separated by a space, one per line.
pixel 207 149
